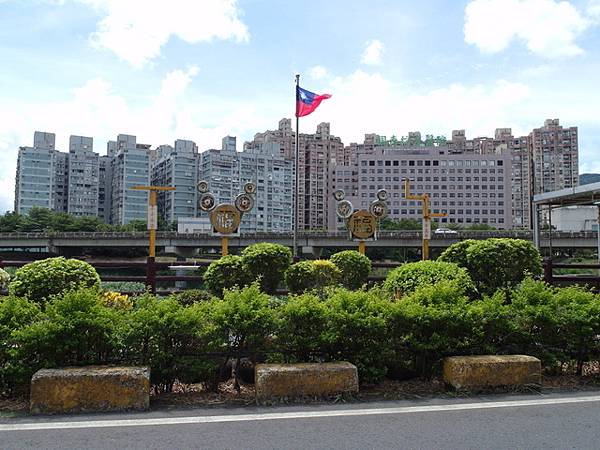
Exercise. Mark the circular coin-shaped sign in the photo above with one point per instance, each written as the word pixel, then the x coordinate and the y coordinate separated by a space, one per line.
pixel 207 202
pixel 203 186
pixel 250 188
pixel 339 195
pixel 244 202
pixel 344 209
pixel 382 195
pixel 362 225
pixel 225 219
pixel 378 209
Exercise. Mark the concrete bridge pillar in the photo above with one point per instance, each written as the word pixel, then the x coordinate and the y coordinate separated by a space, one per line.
pixel 314 251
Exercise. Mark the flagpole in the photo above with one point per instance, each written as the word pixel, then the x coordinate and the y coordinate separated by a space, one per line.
pixel 297 178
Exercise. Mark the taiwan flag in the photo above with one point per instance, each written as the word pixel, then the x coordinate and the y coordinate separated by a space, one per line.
pixel 307 102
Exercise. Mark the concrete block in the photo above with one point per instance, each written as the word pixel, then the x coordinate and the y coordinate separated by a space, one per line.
pixel 90 389
pixel 465 372
pixel 274 381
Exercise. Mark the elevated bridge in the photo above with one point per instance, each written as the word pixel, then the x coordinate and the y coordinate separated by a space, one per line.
pixel 185 244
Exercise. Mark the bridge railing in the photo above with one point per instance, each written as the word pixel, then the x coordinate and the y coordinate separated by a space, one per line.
pixel 386 234
pixel 588 279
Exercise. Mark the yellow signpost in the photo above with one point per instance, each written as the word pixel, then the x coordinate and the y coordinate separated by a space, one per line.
pixel 427 215
pixel 152 226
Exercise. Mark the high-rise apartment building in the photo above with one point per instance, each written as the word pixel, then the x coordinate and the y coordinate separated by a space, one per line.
pixel 177 166
pixel 36 177
pixel 317 154
pixel 83 177
pixel 227 172
pixel 104 188
pixel 130 166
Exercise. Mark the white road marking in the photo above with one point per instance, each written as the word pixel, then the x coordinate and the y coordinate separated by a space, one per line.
pixel 291 415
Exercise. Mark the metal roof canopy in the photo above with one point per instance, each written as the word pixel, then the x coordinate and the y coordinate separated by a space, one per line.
pixel 587 194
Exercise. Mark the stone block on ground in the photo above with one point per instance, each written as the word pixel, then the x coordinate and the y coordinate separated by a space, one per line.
pixel 276 381
pixel 90 389
pixel 468 372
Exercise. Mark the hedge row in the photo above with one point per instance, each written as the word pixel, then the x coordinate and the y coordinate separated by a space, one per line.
pixel 381 335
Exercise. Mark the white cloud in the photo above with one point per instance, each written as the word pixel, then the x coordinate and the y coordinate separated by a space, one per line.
pixel 318 72
pixel 593 9
pixel 373 53
pixel 136 30
pixel 369 103
pixel 95 109
pixel 549 28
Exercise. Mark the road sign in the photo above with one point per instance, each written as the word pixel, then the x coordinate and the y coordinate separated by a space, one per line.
pixel 225 219
pixel 152 217
pixel 426 229
pixel 362 225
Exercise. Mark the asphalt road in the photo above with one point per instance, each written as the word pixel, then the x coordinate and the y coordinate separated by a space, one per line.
pixel 561 421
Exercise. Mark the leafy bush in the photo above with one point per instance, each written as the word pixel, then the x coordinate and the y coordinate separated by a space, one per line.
pixel 298 277
pixel 301 324
pixel 191 296
pixel 15 313
pixel 307 275
pixel 429 324
pixel 267 263
pixel 243 321
pixel 40 280
pixel 557 325
pixel 4 279
pixel 495 263
pixel 354 266
pixel 357 332
pixel 75 330
pixel 225 273
pixel 408 277
pixel 170 339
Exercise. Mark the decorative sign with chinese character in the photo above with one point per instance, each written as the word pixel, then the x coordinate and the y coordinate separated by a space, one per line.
pixel 225 219
pixel 362 225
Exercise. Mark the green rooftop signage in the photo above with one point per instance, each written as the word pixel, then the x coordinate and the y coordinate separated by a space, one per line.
pixel 430 141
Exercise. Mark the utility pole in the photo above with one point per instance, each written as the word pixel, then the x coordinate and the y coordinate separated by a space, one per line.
pixel 427 215
pixel 152 226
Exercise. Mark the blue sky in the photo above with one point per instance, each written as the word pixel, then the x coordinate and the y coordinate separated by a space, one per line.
pixel 201 69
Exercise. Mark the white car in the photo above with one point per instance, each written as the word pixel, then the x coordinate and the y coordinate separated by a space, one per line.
pixel 445 231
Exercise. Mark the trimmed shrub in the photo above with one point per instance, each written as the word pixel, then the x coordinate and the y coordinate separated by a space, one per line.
pixel 429 324
pixel 267 263
pixel 298 277
pixel 171 339
pixel 357 332
pixel 354 267
pixel 243 321
pixel 495 263
pixel 40 280
pixel 308 275
pixel 408 277
pixel 301 324
pixel 75 330
pixel 191 296
pixel 15 313
pixel 4 279
pixel 225 273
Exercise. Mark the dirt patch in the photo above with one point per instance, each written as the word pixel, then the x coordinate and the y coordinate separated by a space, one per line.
pixel 196 396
